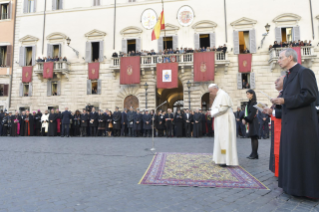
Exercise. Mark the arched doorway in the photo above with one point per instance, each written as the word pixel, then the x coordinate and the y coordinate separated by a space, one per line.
pixel 207 101
pixel 131 101
pixel 171 96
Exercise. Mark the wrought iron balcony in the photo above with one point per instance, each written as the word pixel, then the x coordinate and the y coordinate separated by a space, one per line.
pixel 59 69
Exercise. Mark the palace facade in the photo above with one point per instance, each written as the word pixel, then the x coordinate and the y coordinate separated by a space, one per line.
pixel 92 30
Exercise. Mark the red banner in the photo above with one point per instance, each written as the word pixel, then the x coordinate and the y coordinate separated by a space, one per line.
pixel 167 75
pixel 244 63
pixel 298 50
pixel 204 66
pixel 27 74
pixel 94 69
pixel 130 70
pixel 48 70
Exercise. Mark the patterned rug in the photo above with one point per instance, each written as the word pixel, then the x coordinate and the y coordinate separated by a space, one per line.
pixel 196 169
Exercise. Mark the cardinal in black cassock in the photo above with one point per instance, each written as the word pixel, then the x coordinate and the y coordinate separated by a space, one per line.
pixel 22 123
pixel 52 124
pixel 178 120
pixel 28 125
pixel 299 143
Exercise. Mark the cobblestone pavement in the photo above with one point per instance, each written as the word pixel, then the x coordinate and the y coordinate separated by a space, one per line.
pixel 102 174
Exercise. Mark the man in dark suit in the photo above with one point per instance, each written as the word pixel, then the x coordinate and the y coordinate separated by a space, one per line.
pixel 187 121
pixel 147 124
pixel 238 121
pixel 299 143
pixel 93 122
pixel 130 122
pixel 66 116
pixel 1 117
pixel 124 123
pixel 117 116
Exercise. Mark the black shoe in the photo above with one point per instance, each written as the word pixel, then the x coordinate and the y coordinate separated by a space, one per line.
pixel 222 165
pixel 253 157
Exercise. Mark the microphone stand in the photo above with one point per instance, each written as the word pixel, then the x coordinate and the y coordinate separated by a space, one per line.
pixel 153 120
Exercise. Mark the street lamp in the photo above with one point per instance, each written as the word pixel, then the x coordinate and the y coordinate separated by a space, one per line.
pixel 189 85
pixel 267 27
pixel 146 87
pixel 68 41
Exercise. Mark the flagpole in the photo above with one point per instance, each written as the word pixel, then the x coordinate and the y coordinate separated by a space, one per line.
pixel 165 26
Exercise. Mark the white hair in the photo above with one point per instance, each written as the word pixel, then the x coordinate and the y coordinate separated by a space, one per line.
pixel 212 86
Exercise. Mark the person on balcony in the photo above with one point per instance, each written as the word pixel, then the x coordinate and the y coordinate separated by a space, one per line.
pixel 207 49
pixel 39 60
pixel 114 54
pixel 246 51
pixel 203 49
pixel 275 45
pixel 309 43
pixel 270 47
pixel 65 59
pixel 295 44
pixel 177 51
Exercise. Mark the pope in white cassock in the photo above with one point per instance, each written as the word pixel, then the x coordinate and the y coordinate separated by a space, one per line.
pixel 225 149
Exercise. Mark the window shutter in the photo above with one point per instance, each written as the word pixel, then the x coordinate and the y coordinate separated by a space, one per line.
pixel 239 81
pixel 160 44
pixel 94 2
pixel 30 89
pixel 21 89
pixel 9 10
pixel 33 55
pixel 25 6
pixel 175 42
pixel 59 88
pixel 61 4
pixel 35 6
pixel 89 87
pixel 124 46
pixel 252 41
pixel 49 88
pixel 236 42
pixel 278 37
pixel 5 90
pixel 99 86
pixel 21 56
pixel 88 52
pixel 101 59
pixel 60 51
pixel 9 53
pixel 252 80
pixel 98 3
pixel 53 4
pixel 138 44
pixel 296 33
pixel 196 41
pixel 49 50
pixel 212 39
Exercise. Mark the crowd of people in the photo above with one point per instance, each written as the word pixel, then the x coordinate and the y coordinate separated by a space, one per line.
pixel 132 123
pixel 170 51
pixel 290 44
pixel 54 59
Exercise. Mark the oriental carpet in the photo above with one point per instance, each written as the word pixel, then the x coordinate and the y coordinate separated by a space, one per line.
pixel 196 169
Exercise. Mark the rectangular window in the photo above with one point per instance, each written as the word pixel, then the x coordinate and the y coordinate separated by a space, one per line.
pixel 131 0
pixel 131 45
pixel 204 40
pixel 59 4
pixel 25 89
pixel 54 89
pixel 4 90
pixel 28 56
pixel 31 6
pixel 4 11
pixel 3 57
pixel 94 87
pixel 243 41
pixel 96 3
pixel 246 81
pixel 168 43
pixel 286 34
pixel 56 51
pixel 95 51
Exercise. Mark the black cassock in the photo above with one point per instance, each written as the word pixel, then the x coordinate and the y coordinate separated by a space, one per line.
pixel 160 124
pixel 28 125
pixel 299 143
pixel 197 131
pixel 38 124
pixel 22 125
pixel 117 116
pixel 15 120
pixel 178 120
pixel 52 125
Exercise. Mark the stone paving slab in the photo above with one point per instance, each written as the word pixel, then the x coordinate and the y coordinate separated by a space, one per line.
pixel 102 174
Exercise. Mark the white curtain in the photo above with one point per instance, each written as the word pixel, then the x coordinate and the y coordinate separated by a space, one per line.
pixel 29 57
pixel 246 37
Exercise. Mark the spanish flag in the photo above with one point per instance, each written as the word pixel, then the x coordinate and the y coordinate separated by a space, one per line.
pixel 160 25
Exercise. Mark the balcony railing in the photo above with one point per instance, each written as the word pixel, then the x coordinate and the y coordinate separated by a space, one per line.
pixel 306 52
pixel 179 58
pixel 58 66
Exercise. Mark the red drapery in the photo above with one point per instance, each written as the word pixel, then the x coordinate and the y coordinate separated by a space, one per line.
pixel 277 133
pixel 130 70
pixel 58 127
pixel 94 69
pixel 167 75
pixel 244 63
pixel 48 70
pixel 27 73
pixel 204 66
pixel 298 50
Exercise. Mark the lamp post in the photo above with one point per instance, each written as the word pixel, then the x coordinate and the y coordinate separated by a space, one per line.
pixel 189 84
pixel 146 87
pixel 267 27
pixel 68 41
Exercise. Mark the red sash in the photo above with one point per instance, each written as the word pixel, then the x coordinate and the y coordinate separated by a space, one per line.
pixel 58 121
pixel 277 133
pixel 28 127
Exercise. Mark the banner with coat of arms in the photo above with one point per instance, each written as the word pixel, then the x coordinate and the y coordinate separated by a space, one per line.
pixel 48 70
pixel 244 63
pixel 167 75
pixel 130 70
pixel 27 74
pixel 204 66
pixel 94 69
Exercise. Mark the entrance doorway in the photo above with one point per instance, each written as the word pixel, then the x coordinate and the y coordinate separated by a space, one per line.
pixel 131 101
pixel 168 43
pixel 131 45
pixel 207 101
pixel 23 109
pixel 172 96
pixel 204 41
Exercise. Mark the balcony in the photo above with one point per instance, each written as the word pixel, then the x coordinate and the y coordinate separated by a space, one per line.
pixel 59 69
pixel 307 56
pixel 183 60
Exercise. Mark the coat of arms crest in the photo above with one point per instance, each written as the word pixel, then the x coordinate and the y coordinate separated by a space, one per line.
pixel 203 67
pixel 93 71
pixel 129 70
pixel 245 63
pixel 48 70
pixel 26 74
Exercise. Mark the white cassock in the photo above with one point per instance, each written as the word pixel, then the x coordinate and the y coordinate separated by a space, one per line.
pixel 225 147
pixel 45 125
